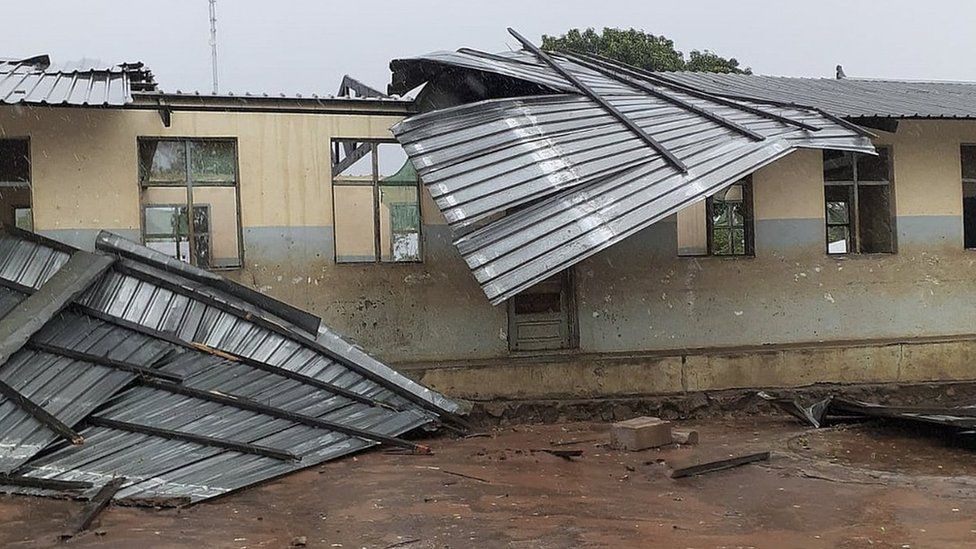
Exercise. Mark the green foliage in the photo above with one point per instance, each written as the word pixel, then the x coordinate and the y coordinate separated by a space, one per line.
pixel 640 49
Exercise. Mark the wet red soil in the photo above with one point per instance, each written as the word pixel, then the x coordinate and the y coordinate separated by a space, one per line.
pixel 851 486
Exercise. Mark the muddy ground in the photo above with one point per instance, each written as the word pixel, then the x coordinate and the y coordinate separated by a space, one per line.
pixel 849 486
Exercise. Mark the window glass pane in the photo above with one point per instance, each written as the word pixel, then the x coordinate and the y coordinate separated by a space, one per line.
pixel 14 160
pixel 354 217
pixel 838 166
pixel 692 230
pixel 161 220
pixel 874 216
pixel 23 219
pixel 164 221
pixel 400 223
pixel 361 169
pixel 722 242
pixel 738 241
pixel 838 240
pixel 838 204
pixel 873 168
pixel 216 226
pixel 212 161
pixel 969 162
pixel 720 214
pixel 162 162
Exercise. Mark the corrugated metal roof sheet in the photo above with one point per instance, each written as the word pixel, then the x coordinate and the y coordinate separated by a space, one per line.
pixel 37 81
pixel 590 180
pixel 847 97
pixel 280 401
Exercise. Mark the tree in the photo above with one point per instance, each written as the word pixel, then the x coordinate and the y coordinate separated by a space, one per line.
pixel 640 49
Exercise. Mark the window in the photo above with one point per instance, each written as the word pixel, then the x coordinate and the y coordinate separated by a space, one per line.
pixel 721 225
pixel 858 202
pixel 968 158
pixel 376 203
pixel 15 177
pixel 178 176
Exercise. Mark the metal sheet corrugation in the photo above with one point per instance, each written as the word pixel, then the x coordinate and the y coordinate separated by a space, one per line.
pixel 28 263
pixel 157 467
pixel 192 320
pixel 593 182
pixel 152 316
pixel 49 85
pixel 68 389
pixel 847 97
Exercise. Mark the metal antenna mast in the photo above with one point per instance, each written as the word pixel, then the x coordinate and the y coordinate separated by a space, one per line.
pixel 213 42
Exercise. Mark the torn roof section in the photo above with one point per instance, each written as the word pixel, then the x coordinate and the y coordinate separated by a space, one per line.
pixel 534 184
pixel 84 83
pixel 130 368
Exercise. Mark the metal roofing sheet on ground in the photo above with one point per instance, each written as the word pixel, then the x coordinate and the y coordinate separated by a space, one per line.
pixel 542 182
pixel 226 424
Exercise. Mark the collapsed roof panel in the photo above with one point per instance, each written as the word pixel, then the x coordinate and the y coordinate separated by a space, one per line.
pixel 533 185
pixel 181 388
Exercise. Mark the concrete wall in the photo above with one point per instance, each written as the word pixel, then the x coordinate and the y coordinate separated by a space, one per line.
pixel 640 295
pixel 637 296
pixel 85 178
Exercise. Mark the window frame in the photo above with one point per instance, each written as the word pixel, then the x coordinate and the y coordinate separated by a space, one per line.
pixel 188 185
pixel 374 183
pixel 748 222
pixel 30 177
pixel 853 215
pixel 962 191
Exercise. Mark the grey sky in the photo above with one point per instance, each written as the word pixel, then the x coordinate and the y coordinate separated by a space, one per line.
pixel 305 46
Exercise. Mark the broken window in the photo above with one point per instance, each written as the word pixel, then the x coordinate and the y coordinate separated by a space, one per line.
pixel 180 176
pixel 721 225
pixel 376 203
pixel 858 204
pixel 968 158
pixel 15 177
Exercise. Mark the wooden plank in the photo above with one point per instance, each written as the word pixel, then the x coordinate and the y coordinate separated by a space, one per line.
pixel 40 414
pixel 97 504
pixel 243 447
pixel 718 465
pixel 44 483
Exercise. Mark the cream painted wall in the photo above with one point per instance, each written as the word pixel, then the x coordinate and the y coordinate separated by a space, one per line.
pixel 791 188
pixel 85 166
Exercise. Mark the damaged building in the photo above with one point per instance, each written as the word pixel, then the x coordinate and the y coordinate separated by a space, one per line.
pixel 541 225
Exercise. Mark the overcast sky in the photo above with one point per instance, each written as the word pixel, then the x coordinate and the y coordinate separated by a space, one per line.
pixel 305 46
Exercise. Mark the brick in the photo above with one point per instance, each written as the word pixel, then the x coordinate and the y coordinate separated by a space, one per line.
pixel 640 433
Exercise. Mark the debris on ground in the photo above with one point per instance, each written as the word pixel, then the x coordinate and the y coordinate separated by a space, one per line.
pixel 568 455
pixel 640 433
pixel 718 465
pixel 961 419
pixel 684 436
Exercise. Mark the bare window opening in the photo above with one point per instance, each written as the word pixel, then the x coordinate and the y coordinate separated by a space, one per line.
pixel 376 203
pixel 858 202
pixel 179 176
pixel 968 157
pixel 15 178
pixel 721 225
